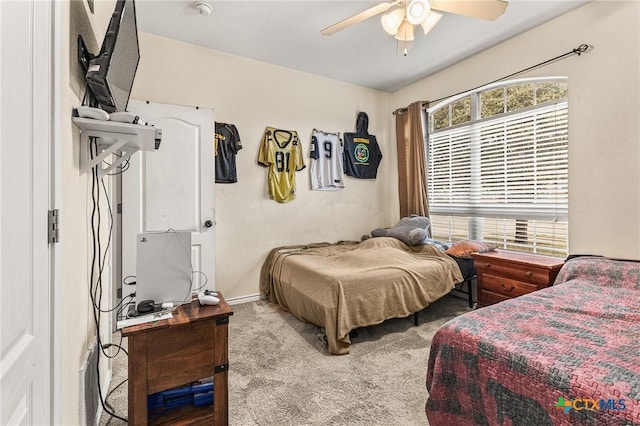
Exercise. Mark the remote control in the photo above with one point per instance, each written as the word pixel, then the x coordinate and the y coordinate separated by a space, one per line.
pixel 124 117
pixel 91 112
pixel 207 300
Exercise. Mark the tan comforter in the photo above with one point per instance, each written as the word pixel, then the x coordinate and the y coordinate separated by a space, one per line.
pixel 348 285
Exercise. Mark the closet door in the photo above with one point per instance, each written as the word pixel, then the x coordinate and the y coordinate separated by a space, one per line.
pixel 172 187
pixel 25 181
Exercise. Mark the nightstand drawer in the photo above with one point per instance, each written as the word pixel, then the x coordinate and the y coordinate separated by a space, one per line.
pixel 525 273
pixel 506 286
pixel 505 274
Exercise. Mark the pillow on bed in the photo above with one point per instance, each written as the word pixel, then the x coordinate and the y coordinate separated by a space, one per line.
pixel 439 244
pixel 411 230
pixel 466 247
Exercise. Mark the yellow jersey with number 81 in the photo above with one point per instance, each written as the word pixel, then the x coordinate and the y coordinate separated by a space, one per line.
pixel 281 151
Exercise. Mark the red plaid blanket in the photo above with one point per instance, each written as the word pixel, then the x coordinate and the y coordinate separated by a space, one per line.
pixel 569 354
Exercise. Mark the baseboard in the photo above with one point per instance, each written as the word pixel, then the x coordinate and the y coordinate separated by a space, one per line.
pixel 246 299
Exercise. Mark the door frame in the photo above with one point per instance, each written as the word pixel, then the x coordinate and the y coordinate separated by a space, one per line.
pixel 59 120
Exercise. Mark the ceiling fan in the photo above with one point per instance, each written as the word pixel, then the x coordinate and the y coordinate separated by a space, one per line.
pixel 407 13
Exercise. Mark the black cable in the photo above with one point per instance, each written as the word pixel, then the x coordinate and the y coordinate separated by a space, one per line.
pixel 102 259
pixel 115 308
pixel 117 345
pixel 583 48
pixel 120 347
pixel 119 314
pixel 123 167
pixel 101 263
pixel 95 292
pixel 106 249
pixel 115 388
pixel 98 287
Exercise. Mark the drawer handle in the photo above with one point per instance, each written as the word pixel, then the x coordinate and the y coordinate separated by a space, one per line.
pixel 486 265
pixel 507 289
pixel 529 273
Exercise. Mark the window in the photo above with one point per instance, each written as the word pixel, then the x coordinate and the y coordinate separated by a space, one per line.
pixel 498 166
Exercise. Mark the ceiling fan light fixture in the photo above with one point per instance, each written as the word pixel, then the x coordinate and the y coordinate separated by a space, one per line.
pixel 431 21
pixel 392 20
pixel 418 11
pixel 405 32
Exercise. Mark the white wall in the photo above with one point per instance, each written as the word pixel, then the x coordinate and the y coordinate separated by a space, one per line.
pixel 604 114
pixel 253 95
pixel 75 331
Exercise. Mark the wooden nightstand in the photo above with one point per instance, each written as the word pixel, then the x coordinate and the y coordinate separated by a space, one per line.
pixel 173 352
pixel 504 274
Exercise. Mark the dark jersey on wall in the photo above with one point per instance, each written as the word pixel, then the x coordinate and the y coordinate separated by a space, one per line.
pixel 227 146
pixel 361 151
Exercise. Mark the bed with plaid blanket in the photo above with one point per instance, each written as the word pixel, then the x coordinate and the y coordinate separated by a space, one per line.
pixel 568 354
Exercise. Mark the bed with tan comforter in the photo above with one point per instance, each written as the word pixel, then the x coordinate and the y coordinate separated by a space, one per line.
pixel 347 285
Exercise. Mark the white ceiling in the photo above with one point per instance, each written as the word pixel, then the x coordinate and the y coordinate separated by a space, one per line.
pixel 287 33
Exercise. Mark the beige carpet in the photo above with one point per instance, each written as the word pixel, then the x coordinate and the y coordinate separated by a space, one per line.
pixel 281 373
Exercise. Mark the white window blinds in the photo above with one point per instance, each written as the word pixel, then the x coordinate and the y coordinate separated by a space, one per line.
pixel 524 164
pixel 510 172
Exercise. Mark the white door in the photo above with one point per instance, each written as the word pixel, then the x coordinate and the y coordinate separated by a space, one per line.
pixel 25 134
pixel 172 187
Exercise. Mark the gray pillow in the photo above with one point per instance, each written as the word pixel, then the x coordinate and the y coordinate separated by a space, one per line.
pixel 411 230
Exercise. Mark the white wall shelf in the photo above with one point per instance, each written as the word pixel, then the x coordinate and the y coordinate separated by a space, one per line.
pixel 122 139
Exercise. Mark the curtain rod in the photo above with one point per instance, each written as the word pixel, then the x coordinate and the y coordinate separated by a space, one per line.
pixel 583 48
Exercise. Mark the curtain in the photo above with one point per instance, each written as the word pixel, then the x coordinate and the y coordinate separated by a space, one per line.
pixel 412 176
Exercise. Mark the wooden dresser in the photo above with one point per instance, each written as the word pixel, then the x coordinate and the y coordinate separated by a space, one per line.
pixel 173 352
pixel 505 274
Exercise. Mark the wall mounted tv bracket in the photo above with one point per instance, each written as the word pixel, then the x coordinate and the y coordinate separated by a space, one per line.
pixel 84 56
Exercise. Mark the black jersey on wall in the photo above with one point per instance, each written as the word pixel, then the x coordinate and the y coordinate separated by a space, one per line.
pixel 227 146
pixel 361 151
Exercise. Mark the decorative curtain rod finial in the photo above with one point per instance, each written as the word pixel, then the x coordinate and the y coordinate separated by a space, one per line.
pixel 583 48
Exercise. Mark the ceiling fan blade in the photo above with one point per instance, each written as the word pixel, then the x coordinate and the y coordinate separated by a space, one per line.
pixel 362 16
pixel 489 10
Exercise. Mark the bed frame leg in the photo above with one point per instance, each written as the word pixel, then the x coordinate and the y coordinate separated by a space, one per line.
pixel 415 319
pixel 470 288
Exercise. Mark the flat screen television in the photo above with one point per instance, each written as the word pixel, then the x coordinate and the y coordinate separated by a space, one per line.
pixel 110 74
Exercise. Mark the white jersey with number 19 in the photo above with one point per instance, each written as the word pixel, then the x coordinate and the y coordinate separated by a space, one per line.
pixel 326 161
